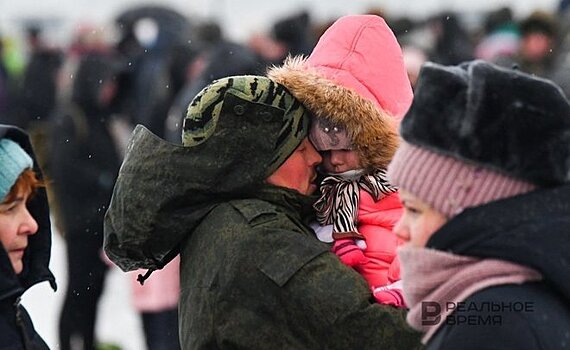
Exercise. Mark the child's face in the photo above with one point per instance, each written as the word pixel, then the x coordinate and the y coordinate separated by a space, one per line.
pixel 16 224
pixel 339 161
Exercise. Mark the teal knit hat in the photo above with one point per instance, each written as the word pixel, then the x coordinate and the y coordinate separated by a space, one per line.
pixel 13 161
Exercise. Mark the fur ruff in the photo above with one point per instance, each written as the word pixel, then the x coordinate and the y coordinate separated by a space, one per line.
pixel 373 131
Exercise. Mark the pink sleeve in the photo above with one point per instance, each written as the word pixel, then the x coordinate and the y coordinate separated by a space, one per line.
pixel 394 270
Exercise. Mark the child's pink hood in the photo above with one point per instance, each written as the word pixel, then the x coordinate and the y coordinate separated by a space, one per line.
pixel 361 53
pixel 355 76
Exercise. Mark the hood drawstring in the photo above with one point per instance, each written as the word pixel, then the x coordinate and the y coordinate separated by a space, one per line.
pixel 141 278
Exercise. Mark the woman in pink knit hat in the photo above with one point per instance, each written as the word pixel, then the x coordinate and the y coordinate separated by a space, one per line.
pixel 484 173
pixel 356 85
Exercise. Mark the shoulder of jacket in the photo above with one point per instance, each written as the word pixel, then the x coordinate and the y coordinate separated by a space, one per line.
pixel 255 211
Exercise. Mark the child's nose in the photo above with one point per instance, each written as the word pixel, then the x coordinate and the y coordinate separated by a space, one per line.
pixel 336 158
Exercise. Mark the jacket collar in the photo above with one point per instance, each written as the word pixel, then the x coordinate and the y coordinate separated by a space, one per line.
pixel 530 230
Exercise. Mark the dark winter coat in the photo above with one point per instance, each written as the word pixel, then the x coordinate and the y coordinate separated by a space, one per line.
pixel 16 329
pixel 253 275
pixel 84 160
pixel 290 291
pixel 530 230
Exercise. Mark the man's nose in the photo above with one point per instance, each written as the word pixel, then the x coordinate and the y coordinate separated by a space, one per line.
pixel 315 157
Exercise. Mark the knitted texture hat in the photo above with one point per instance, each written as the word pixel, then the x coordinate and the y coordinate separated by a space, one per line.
pixel 14 160
pixel 253 99
pixel 476 133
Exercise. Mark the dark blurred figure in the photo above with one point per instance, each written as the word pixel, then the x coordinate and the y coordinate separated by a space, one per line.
pixel 501 37
pixel 561 69
pixel 537 47
pixel 84 165
pixel 38 91
pixel 4 88
pixel 452 44
pixel 293 35
pixel 219 58
pixel 156 46
pixel 414 50
pixel 537 50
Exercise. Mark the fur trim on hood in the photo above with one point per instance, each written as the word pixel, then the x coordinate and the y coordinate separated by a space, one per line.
pixel 356 77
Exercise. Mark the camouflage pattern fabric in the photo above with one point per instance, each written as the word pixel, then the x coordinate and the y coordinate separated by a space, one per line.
pixel 204 111
pixel 253 276
pixel 237 132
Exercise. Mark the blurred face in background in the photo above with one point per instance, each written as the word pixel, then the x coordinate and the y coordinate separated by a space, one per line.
pixel 536 46
pixel 419 222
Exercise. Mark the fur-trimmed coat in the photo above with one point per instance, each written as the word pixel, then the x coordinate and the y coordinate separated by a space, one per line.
pixel 355 77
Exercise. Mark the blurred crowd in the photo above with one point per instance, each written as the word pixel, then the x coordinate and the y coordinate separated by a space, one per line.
pixel 81 101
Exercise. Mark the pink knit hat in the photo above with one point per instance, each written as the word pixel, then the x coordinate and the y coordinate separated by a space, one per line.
pixel 447 184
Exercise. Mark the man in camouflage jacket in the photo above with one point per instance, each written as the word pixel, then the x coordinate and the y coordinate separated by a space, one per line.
pixel 234 201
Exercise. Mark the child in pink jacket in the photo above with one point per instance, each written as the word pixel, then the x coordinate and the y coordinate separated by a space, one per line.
pixel 355 83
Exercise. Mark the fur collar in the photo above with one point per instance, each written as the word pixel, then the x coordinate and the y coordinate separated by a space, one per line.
pixel 373 131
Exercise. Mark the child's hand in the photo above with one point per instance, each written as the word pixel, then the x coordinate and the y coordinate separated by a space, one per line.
pixel 348 252
pixel 390 294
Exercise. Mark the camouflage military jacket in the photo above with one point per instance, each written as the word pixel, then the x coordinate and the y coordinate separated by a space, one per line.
pixel 254 277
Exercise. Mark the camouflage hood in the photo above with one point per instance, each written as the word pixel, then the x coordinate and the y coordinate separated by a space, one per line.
pixel 238 130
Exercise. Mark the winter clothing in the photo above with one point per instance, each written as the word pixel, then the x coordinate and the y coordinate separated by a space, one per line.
pixel 376 220
pixel 355 83
pixel 433 177
pixel 84 164
pixel 540 241
pixel 16 329
pixel 443 277
pixel 248 259
pixel 453 43
pixel 340 195
pixel 510 126
pixel 156 301
pixel 492 100
pixel 14 161
pixel 355 77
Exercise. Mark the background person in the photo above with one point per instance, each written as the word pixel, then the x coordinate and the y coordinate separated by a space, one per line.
pixel 483 172
pixel 25 235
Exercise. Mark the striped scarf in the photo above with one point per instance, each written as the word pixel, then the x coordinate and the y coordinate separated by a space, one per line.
pixel 340 194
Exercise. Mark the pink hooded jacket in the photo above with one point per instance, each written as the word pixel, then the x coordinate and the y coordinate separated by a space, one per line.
pixel 356 77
